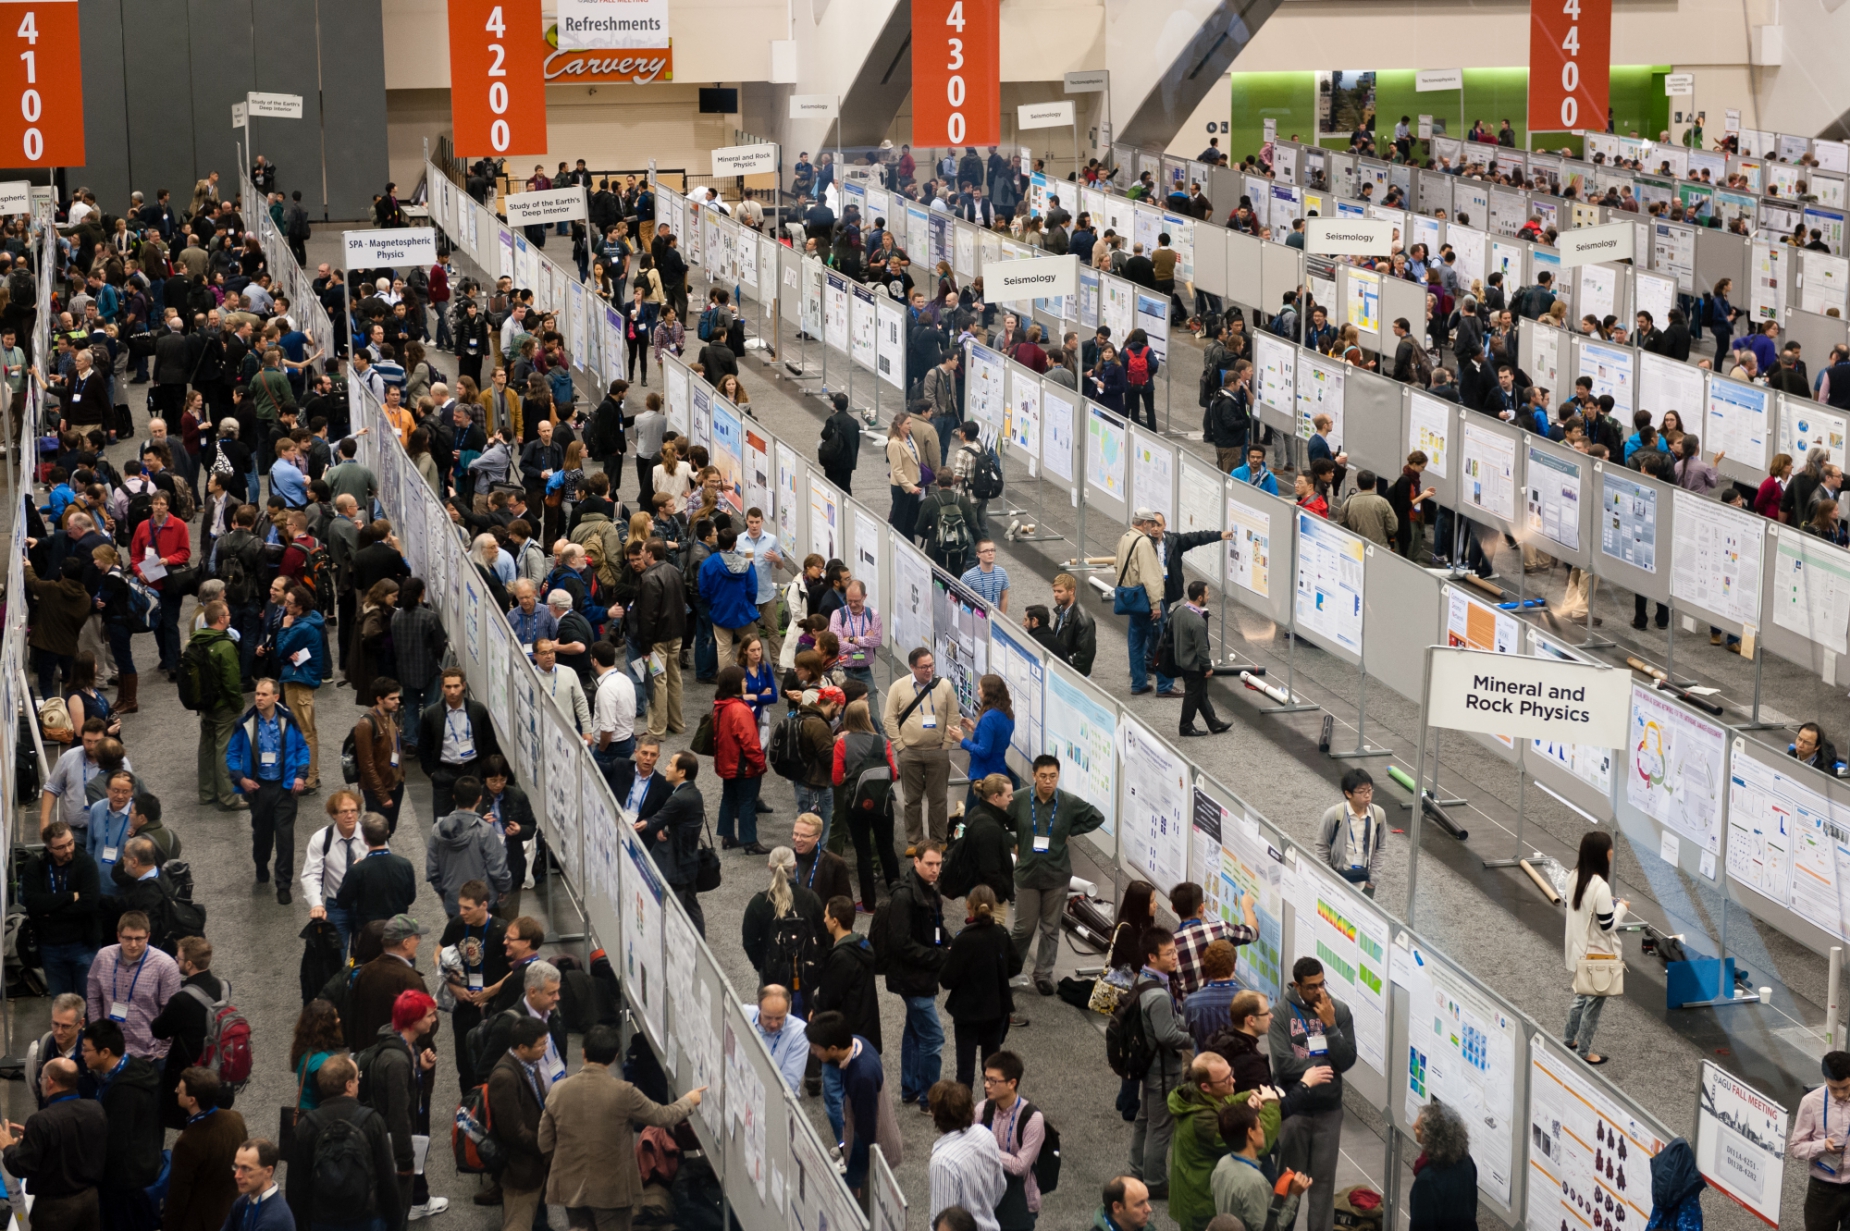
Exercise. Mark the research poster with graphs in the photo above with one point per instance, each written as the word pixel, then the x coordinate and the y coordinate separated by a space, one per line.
pixel 1278 364
pixel 1084 735
pixel 1673 771
pixel 1329 582
pixel 1786 841
pixel 643 890
pixel 1628 519
pixel 1236 864
pixel 1811 589
pixel 1461 1050
pixel 984 398
pixel 1057 434
pixel 1018 664
pixel 1489 462
pixel 960 625
pixel 1715 557
pixel 1320 392
pixel 1350 938
pixel 825 525
pixel 1107 463
pixel 1249 551
pixel 1156 788
pixel 1553 505
pixel 1429 430
pixel 1589 1158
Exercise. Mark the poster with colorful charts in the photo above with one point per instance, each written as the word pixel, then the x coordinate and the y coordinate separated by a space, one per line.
pixel 1552 508
pixel 1081 729
pixel 1589 1158
pixel 729 453
pixel 1023 421
pixel 1811 589
pixel 1058 431
pixel 825 524
pixel 1277 383
pixel 1429 431
pixel 1488 461
pixel 1320 392
pixel 1351 939
pixel 1014 659
pixel 1628 519
pixel 960 629
pixel 1715 561
pixel 643 891
pixel 1234 864
pixel 1107 449
pixel 1806 425
pixel 1154 816
pixel 1786 840
pixel 1329 582
pixel 1611 370
pixel 1592 765
pixel 1249 550
pixel 1673 771
pixel 757 479
pixel 984 398
pixel 1363 305
pixel 1461 1050
pixel 1738 422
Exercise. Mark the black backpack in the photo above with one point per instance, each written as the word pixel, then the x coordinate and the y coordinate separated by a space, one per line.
pixel 785 752
pixel 342 1170
pixel 198 677
pixel 1047 1165
pixel 880 936
pixel 22 289
pixel 240 568
pixel 183 918
pixel 959 875
pixel 1128 1049
pixel 985 476
pixel 792 953
pixel 1162 656
pixel 834 445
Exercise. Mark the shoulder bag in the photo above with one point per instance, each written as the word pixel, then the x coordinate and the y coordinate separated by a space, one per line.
pixel 1599 973
pixel 706 861
pixel 1110 988
pixel 1129 600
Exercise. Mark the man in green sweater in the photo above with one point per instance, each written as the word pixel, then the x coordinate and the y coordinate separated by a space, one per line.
pixel 1197 1145
pixel 1045 818
pixel 1239 1185
pixel 221 701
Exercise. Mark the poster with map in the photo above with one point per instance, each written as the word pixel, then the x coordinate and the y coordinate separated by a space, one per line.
pixel 1673 771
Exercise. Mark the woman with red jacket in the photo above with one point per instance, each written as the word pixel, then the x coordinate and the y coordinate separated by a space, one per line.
pixel 738 758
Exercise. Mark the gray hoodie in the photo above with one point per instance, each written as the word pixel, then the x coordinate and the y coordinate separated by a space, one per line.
pixel 464 847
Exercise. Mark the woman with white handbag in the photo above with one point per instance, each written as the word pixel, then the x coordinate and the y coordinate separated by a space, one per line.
pixel 1594 954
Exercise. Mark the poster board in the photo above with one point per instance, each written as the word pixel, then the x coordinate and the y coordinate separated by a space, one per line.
pixel 1740 423
pixel 1153 474
pixel 1154 803
pixel 1081 728
pixel 1634 528
pixel 1201 505
pixel 1329 586
pixel 1572 1129
pixel 1802 599
pixel 1716 561
pixel 1489 471
pixel 1061 432
pixel 1558 500
pixel 1107 463
pixel 1372 423
pixel 1675 770
pixel 1666 384
pixel 1400 595
pixel 1741 1142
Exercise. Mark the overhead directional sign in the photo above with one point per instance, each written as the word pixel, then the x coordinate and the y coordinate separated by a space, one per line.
pixel 274 106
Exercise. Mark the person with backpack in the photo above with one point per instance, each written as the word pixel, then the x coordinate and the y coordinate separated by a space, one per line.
pixel 268 763
pixel 801 748
pixel 946 526
pixel 129 1090
pixel 479 940
pixel 739 760
pixel 728 582
pixel 1045 820
pixel 863 771
pixel 200 1188
pixel 782 929
pixel 238 560
pixel 1229 419
pixel 464 848
pixel 839 450
pixel 673 834
pixel 1140 364
pixel 394 1081
pixel 187 1023
pixel 342 1172
pixel 1154 1038
pixel 515 1103
pixel 1029 1146
pixel 209 687
pixel 977 469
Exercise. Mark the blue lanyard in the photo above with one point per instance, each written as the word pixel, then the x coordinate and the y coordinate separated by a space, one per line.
pixel 1034 814
pixel 853 629
pixel 115 982
pixel 1250 1163
pixel 449 725
pixel 202 1115
pixel 59 878
pixel 811 882
pixel 638 790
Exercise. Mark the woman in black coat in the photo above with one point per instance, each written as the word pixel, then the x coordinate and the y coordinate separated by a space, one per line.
pixel 782 930
pixel 1444 1196
pixel 977 973
pixel 991 836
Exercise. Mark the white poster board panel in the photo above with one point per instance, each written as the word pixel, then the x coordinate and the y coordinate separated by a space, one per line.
pixel 1329 586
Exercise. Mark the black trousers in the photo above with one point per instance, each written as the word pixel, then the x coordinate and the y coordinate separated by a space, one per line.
pixel 645 483
pixel 1827 1206
pixel 866 833
pixel 443 784
pixel 973 1037
pixel 690 902
pixel 387 807
pixel 273 824
pixel 842 477
pixel 1638 606
pixel 903 516
pixel 1195 697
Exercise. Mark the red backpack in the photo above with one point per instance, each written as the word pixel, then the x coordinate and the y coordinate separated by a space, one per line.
pixel 1137 367
pixel 228 1038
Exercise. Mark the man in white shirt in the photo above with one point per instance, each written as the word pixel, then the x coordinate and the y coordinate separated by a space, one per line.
pixel 333 849
pixel 561 685
pixel 514 325
pixel 541 985
pixel 613 715
pixel 760 547
pixel 783 1032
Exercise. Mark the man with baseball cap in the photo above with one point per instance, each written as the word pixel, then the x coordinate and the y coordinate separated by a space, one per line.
pixel 381 980
pixel 1140 568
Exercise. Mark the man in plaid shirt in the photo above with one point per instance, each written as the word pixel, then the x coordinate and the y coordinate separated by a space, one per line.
pixel 1199 930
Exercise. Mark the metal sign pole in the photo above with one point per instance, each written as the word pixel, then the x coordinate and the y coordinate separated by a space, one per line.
pixel 1361 748
pixel 1419 777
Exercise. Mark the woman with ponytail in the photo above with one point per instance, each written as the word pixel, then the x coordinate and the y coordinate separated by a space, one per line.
pixel 977 973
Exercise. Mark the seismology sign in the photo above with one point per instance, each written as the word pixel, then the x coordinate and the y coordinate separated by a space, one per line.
pixel 1585 245
pixel 1529 698
pixel 545 207
pixel 1048 277
pixel 1348 236
pixel 396 246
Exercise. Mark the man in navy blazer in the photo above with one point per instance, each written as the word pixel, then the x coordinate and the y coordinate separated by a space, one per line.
pixel 636 784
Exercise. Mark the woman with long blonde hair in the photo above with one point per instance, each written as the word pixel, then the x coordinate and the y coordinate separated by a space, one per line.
pixel 783 899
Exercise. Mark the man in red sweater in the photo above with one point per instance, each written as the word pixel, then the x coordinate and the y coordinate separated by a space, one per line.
pixel 161 544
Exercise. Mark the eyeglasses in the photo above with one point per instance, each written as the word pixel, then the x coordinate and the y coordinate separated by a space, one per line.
pixel 990 1079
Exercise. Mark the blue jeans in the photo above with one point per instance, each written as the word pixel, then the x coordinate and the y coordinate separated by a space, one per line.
pixel 50 668
pixel 122 646
pixel 921 1048
pixel 342 919
pixel 866 676
pixel 738 807
pixel 412 702
pixel 706 649
pixel 1142 632
pixel 821 801
pixel 832 1098
pixel 67 967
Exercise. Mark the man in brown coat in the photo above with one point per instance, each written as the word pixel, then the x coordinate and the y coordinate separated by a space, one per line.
pixel 514 1111
pixel 375 748
pixel 202 1188
pixel 586 1129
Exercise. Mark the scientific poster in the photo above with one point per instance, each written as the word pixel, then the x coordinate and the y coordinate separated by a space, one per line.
pixel 702 402
pixel 1674 768
pixel 1083 734
pixel 1665 384
pixel 1628 519
pixel 1589 1158
pixel 1362 308
pixel 835 310
pixel 1461 1050
pixel 564 750
pixel 1826 282
pixel 1787 841
pixel 1106 464
pixel 1547 357
pixel 1715 559
pixel 1592 765
pixel 1599 291
pixel 1058 432
pixel 1429 429
pixel 825 537
pixel 1024 417
pixel 1738 421
pixel 861 326
pixel 812 298
pixel 787 501
pixel 757 479
pixel 1488 462
pixel 1234 862
pixel 1470 624
pixel 1766 279
pixel 1553 505
pixel 728 453
pixel 1277 380
pixel 1198 509
pixel 1156 804
pixel 1610 369
pixel 643 891
pixel 679 380
pixel 1811 590
pixel 745 1104
pixel 890 344
pixel 1249 551
pixel 911 604
pixel 1741 1141
pixel 869 535
pixel 1806 425
pixel 1153 474
pixel 960 640
pixel 1016 662
pixel 1320 392
pixel 1329 582
pixel 1351 939
pixel 983 395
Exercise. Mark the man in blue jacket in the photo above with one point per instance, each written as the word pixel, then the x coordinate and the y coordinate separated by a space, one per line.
pixel 1254 473
pixel 301 649
pixel 729 587
pixel 268 763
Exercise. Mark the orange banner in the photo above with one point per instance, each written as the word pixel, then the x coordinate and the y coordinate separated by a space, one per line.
pixel 956 73
pixel 1570 64
pixel 41 86
pixel 497 78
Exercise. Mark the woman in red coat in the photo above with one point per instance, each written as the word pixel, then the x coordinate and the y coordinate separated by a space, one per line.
pixel 738 758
